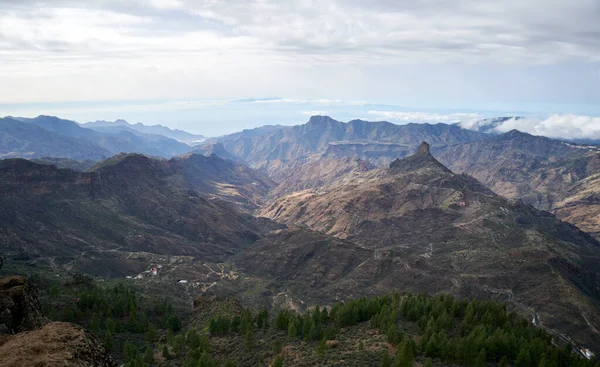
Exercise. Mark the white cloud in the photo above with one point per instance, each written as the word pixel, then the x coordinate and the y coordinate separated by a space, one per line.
pixel 423 116
pixel 557 126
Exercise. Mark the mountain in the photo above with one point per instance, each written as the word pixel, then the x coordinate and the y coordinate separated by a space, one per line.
pixel 61 138
pixel 428 229
pixel 24 139
pixel 219 150
pixel 322 135
pixel 546 173
pixel 179 135
pixel 249 133
pixel 320 174
pixel 72 164
pixel 130 203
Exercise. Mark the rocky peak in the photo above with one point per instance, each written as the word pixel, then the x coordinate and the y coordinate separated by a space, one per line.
pixel 320 120
pixel 421 159
pixel 423 148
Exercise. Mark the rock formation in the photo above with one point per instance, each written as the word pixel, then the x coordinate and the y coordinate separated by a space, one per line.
pixel 56 344
pixel 19 307
pixel 26 341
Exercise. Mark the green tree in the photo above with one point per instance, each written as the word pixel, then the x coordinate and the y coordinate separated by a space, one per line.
pixel 229 363
pixel 523 359
pixel 278 361
pixel 174 323
pixel 503 362
pixel 481 360
pixel 151 334
pixel 95 323
pixel 405 356
pixel 385 359
pixel 361 346
pixel 109 341
pixel 249 341
pixel 277 346
pixel 110 325
pixel 428 363
pixel 149 355
pixel 322 348
pixel 292 331
pixel 206 361
pixel 165 352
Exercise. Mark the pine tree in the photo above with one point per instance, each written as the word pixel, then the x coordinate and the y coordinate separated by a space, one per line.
pixel 405 356
pixel 206 361
pixel 292 331
pixel 385 359
pixel 151 334
pixel 503 362
pixel 523 359
pixel 277 346
pixel 322 347
pixel 481 360
pixel 428 363
pixel 165 352
pixel 109 340
pixel 149 355
pixel 174 323
pixel 95 322
pixel 278 361
pixel 361 346
pixel 249 341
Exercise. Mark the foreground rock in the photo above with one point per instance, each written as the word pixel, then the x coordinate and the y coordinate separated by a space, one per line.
pixel 56 344
pixel 26 341
pixel 19 307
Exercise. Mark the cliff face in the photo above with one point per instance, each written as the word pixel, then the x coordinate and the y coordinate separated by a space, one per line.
pixel 19 307
pixel 26 341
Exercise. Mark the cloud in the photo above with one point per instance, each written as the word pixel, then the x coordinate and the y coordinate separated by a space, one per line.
pixel 423 116
pixel 567 126
pixel 57 50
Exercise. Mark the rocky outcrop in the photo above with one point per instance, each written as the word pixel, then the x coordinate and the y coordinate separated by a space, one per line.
pixel 26 339
pixel 422 159
pixel 56 344
pixel 19 307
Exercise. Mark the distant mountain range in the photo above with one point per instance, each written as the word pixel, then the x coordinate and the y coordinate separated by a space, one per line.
pixel 119 125
pixel 275 149
pixel 48 136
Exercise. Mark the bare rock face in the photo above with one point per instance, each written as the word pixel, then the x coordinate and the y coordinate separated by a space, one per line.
pixel 19 307
pixel 56 344
pixel 423 148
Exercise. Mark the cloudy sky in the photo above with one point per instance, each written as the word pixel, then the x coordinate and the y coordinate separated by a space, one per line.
pixel 215 66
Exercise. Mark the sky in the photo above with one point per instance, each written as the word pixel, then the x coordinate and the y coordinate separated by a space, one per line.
pixel 213 67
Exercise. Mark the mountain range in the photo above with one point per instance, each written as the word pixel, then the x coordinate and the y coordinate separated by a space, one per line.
pixel 311 214
pixel 120 125
pixel 48 136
